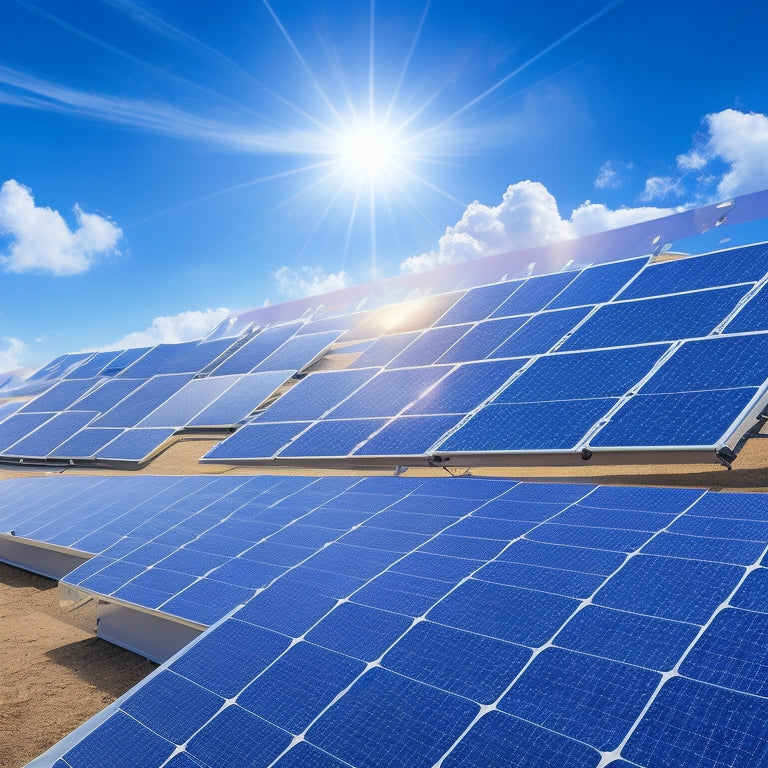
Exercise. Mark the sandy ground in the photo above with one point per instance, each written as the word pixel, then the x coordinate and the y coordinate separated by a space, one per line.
pixel 55 674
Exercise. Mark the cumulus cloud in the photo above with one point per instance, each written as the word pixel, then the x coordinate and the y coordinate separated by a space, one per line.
pixel 738 139
pixel 308 281
pixel 11 351
pixel 527 216
pixel 170 329
pixel 41 240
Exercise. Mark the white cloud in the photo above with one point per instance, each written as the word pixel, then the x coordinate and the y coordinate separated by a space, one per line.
pixel 11 351
pixel 741 140
pixel 661 187
pixel 308 281
pixel 692 161
pixel 186 326
pixel 43 242
pixel 608 178
pixel 527 216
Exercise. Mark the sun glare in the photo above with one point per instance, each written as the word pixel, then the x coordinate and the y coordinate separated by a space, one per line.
pixel 368 153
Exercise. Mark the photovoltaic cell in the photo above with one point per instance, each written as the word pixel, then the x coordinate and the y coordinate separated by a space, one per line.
pixel 256 440
pixel 135 444
pixel 108 394
pixel 408 435
pixel 184 404
pixel 123 360
pixel 18 425
pixel 332 438
pixel 94 365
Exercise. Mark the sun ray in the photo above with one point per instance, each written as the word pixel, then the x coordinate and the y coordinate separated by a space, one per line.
pixel 575 30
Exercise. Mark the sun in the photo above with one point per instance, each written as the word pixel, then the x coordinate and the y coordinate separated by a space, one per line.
pixel 368 153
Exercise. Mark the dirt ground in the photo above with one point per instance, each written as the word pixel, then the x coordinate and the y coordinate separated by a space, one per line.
pixel 55 673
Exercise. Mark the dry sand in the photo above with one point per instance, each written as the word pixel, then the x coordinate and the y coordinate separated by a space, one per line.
pixel 55 674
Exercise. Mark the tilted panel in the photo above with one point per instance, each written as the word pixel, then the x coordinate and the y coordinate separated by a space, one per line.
pixel 597 284
pixel 427 626
pixel 297 352
pixel 480 341
pixel 428 347
pixel 479 303
pixel 55 431
pixel 535 294
pixel 249 355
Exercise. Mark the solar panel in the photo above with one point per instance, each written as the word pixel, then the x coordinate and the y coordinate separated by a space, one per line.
pixel 123 360
pixel 185 357
pixel 246 357
pixel 597 284
pixel 332 438
pixel 240 399
pixel 752 317
pixel 187 402
pixel 737 265
pixel 93 365
pixel 59 396
pixel 135 444
pixel 679 316
pixel 436 622
pixel 479 303
pixel 85 444
pixel 534 294
pixel 298 352
pixel 316 394
pixel 540 333
pixel 18 425
pixel 142 401
pixel 107 393
pixel 52 433
pixel 428 347
pixel 384 349
pixel 480 341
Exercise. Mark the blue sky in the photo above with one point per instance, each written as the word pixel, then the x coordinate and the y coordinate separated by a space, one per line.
pixel 162 163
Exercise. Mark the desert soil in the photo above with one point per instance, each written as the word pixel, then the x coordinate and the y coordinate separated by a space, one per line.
pixel 55 673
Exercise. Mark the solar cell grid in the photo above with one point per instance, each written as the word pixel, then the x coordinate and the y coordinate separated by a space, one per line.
pixel 428 347
pixel 246 357
pixel 479 303
pixel 571 650
pixel 384 349
pixel 49 435
pixel 597 284
pixel 297 352
pixel 59 396
pixel 540 333
pixel 479 342
pixel 534 294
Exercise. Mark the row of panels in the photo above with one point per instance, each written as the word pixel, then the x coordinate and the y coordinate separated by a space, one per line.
pixel 404 621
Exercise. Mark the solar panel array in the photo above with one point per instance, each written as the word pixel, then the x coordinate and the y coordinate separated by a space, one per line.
pixel 124 405
pixel 398 621
pixel 622 356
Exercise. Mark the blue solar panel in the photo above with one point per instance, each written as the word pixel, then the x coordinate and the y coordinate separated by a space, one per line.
pixel 186 357
pixel 408 436
pixel 479 303
pixel 604 373
pixel 134 444
pixel 478 343
pixel 297 352
pixel 256 440
pixel 240 399
pixel 142 401
pixel 94 365
pixel 465 388
pixel 668 318
pixel 429 346
pixel 687 418
pixel 740 265
pixel 753 316
pixel 332 438
pixel 535 294
pixel 558 425
pixel 123 360
pixel 540 333
pixel 384 349
pixel 108 394
pixel 389 392
pixel 597 284
pixel 381 643
pixel 51 434
pixel 18 425
pixel 249 355
pixel 59 396
pixel 316 394
pixel 717 363
pixel 187 402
